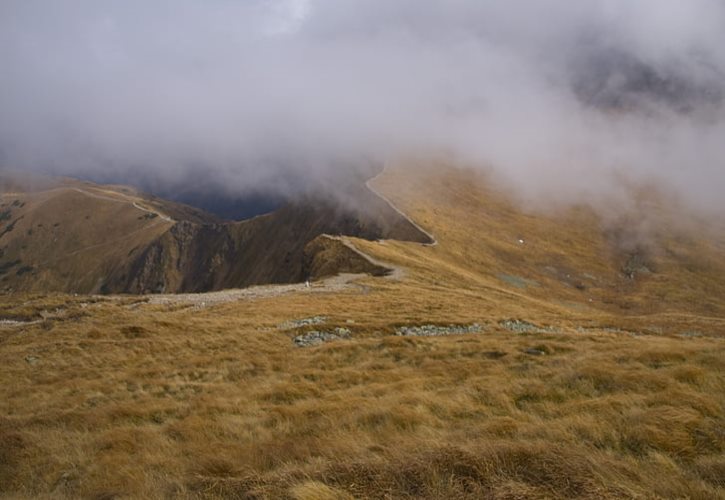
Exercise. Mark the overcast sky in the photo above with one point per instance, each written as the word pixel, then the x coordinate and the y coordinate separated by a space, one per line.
pixel 561 98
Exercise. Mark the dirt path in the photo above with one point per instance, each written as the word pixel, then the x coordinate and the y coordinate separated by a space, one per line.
pixel 124 200
pixel 368 184
pixel 159 214
pixel 331 285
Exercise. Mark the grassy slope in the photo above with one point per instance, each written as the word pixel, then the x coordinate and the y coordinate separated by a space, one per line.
pixel 70 235
pixel 116 397
pixel 566 265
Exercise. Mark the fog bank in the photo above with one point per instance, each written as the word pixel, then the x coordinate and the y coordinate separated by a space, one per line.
pixel 563 100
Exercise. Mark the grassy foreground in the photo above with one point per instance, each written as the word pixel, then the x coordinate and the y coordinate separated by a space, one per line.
pixel 614 387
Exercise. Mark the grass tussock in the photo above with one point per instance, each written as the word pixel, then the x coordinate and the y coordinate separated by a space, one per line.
pixel 194 405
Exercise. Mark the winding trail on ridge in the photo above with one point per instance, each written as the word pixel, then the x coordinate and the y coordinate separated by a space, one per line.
pixel 396 272
pixel 368 184
pixel 123 200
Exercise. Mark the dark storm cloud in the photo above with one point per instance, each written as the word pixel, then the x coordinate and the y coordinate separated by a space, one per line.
pixel 559 98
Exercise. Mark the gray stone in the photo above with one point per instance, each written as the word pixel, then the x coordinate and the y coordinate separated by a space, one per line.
pixel 437 330
pixel 316 337
pixel 519 326
pixel 299 323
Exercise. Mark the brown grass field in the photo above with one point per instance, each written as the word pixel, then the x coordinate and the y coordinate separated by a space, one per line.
pixel 618 391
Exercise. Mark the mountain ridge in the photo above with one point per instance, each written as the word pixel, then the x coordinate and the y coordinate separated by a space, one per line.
pixel 144 244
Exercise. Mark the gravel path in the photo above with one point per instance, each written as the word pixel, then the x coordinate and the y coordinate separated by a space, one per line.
pixel 330 285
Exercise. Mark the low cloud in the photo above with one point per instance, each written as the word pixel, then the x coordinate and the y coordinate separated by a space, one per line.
pixel 563 100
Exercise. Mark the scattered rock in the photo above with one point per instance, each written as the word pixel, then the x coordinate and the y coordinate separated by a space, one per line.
pixel 12 322
pixel 534 352
pixel 31 360
pixel 436 330
pixel 298 323
pixel 316 337
pixel 519 326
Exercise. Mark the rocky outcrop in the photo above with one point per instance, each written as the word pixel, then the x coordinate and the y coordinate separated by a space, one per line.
pixel 326 256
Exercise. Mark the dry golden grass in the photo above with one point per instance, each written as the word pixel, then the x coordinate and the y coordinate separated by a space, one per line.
pixel 118 398
pixel 72 235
